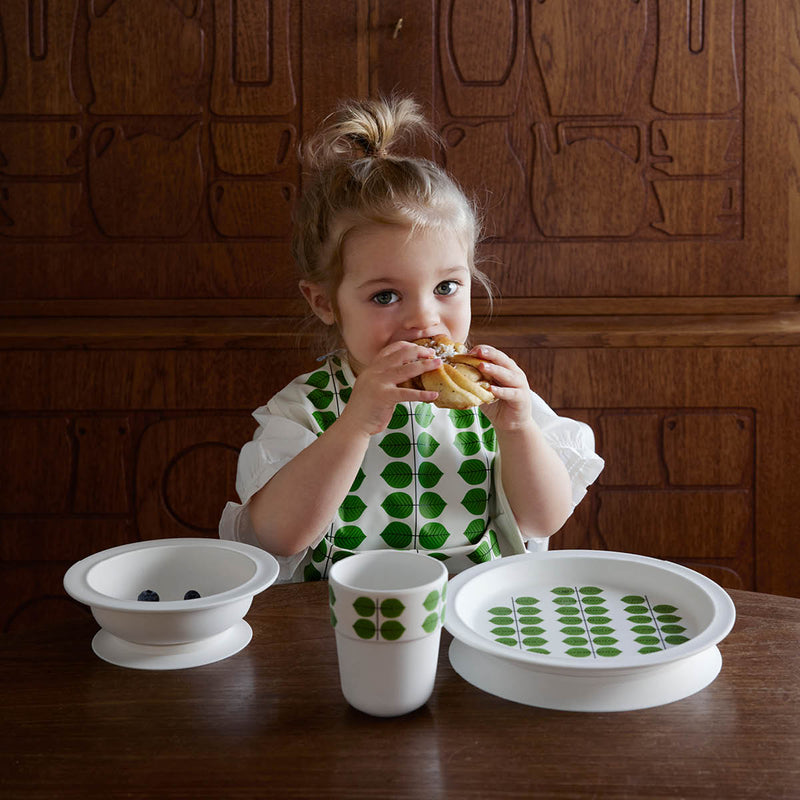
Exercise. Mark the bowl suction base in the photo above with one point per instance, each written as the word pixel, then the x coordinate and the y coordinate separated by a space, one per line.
pixel 178 656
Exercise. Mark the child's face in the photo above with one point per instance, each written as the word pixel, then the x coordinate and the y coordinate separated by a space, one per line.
pixel 399 286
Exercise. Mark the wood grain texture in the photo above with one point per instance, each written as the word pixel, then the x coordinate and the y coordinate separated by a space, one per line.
pixel 642 214
pixel 273 715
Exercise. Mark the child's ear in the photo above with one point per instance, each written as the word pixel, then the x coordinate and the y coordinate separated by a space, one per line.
pixel 317 297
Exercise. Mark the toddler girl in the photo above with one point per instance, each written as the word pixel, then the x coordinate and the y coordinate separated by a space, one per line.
pixel 347 458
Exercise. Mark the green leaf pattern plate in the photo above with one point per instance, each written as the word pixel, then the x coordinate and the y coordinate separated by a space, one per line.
pixel 581 630
pixel 588 610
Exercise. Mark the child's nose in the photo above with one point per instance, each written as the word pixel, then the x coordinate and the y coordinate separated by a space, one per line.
pixel 421 314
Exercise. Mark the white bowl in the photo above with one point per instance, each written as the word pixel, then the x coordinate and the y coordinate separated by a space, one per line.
pixel 172 632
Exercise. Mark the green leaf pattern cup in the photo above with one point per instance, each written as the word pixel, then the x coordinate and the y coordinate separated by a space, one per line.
pixel 387 608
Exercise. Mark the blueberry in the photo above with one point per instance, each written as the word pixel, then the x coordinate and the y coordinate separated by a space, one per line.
pixel 149 596
pixel 191 595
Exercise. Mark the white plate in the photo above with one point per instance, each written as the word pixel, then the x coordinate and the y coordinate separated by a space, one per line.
pixel 611 618
pixel 177 656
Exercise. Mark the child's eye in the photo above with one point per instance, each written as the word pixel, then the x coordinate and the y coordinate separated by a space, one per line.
pixel 447 287
pixel 384 298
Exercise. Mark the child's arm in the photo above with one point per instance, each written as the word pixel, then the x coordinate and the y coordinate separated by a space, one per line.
pixel 300 500
pixel 535 480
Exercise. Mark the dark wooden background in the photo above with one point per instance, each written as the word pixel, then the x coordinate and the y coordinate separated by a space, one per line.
pixel 639 164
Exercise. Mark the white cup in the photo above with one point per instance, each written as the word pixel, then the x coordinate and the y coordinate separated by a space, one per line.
pixel 387 609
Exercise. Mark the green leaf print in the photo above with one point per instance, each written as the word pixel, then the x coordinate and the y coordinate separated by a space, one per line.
pixel 664 608
pixel 431 505
pixel 495 545
pixel 430 622
pixel 608 652
pixel 349 537
pixel 319 379
pixel 673 628
pixel 503 610
pixel 676 638
pixel 352 508
pixel 590 590
pixel 392 607
pixel 563 590
pixel 431 600
pixel 461 418
pixel 399 417
pixel 473 471
pixel 467 443
pixel 364 606
pixel 579 652
pixel 474 530
pixel 490 440
pixel 428 474
pixel 398 504
pixel 345 393
pixel 311 573
pixel 320 399
pixel 480 554
pixel 324 419
pixel 433 535
pixel 319 552
pixel 340 377
pixel 358 481
pixel 396 445
pixel 632 599
pixel 397 474
pixel 397 535
pixel 365 628
pixel 392 629
pixel 475 501
pixel 426 445
pixel 423 414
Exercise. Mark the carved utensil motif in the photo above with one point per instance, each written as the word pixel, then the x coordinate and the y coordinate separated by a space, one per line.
pixel 696 70
pixel 252 66
pixel 35 55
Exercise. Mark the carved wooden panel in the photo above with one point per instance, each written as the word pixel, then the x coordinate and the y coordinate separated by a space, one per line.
pixel 158 121
pixel 630 133
pixel 635 159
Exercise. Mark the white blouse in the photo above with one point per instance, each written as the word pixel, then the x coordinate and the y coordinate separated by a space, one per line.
pixel 430 482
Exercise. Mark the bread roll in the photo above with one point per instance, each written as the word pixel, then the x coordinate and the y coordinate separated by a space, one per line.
pixel 459 380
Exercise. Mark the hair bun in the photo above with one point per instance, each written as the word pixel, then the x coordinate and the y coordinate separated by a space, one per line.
pixel 366 129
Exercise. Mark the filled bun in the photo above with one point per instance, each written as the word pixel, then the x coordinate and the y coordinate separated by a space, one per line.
pixel 459 380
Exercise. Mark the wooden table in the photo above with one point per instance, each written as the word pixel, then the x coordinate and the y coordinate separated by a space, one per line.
pixel 271 722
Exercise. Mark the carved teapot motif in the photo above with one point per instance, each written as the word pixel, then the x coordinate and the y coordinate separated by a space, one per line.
pixel 593 185
pixel 145 185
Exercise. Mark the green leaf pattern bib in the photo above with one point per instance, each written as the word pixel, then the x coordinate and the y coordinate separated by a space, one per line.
pixel 425 483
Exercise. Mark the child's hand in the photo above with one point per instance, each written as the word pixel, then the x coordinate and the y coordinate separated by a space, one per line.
pixel 513 409
pixel 377 389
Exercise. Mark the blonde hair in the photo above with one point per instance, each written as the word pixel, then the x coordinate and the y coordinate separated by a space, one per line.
pixel 358 180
